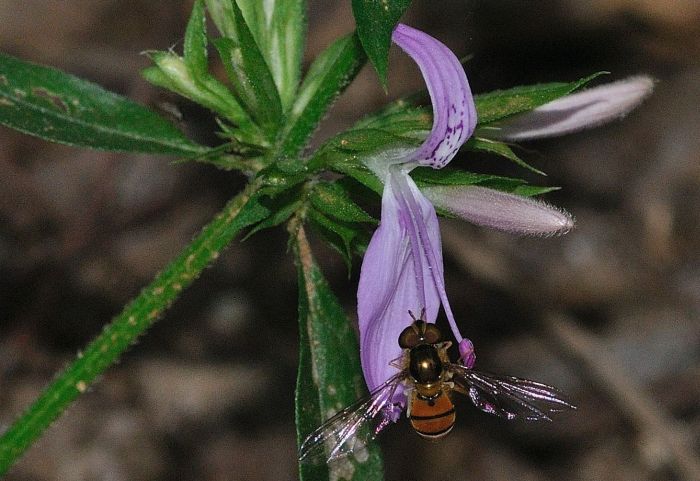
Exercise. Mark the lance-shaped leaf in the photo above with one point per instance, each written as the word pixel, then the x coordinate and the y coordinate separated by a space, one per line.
pixel 582 110
pixel 345 237
pixel 59 107
pixel 331 199
pixel 500 104
pixel 278 27
pixel 500 149
pixel 350 165
pixel 173 73
pixel 221 12
pixel 328 76
pixel 400 118
pixel 454 177
pixel 280 206
pixel 329 377
pixel 250 75
pixel 195 48
pixel 375 21
pixel 348 153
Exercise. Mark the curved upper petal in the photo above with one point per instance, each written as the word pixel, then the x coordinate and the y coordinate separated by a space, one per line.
pixel 454 112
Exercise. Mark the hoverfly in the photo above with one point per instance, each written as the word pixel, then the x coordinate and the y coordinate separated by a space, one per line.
pixel 428 379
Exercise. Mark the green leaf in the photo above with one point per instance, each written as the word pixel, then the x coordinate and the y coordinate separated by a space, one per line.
pixel 351 166
pixel 376 20
pixel 276 181
pixel 172 72
pixel 344 154
pixel 340 235
pixel 499 148
pixel 59 107
pixel 331 199
pixel 329 376
pixel 532 190
pixel 500 104
pixel 195 49
pixel 282 214
pixel 251 78
pixel 399 118
pixel 451 176
pixel 278 27
pixel 221 12
pixel 189 76
pixel 368 141
pixel 328 76
pixel 279 208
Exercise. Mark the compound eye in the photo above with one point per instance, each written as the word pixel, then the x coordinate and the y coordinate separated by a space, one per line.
pixel 409 338
pixel 432 334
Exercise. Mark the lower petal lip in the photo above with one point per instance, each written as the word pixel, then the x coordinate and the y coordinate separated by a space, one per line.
pixel 390 286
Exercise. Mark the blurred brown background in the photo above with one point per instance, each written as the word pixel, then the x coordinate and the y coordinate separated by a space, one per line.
pixel 609 313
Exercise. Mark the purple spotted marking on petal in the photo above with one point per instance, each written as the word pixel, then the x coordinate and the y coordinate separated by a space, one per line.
pixel 454 112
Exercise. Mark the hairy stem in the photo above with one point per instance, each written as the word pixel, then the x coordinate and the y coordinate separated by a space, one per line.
pixel 124 329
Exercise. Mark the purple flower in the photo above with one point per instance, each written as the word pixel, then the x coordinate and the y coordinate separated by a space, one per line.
pixel 402 269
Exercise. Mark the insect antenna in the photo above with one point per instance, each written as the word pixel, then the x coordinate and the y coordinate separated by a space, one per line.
pixel 420 318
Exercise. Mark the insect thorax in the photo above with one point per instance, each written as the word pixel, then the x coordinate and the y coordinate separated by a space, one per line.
pixel 425 365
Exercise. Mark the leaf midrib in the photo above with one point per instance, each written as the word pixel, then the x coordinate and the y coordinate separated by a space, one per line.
pixel 23 102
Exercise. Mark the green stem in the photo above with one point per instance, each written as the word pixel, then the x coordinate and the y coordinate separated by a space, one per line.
pixel 143 311
pixel 124 329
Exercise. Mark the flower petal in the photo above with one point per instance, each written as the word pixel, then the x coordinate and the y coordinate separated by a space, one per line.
pixel 389 286
pixel 454 113
pixel 579 111
pixel 500 210
pixel 425 238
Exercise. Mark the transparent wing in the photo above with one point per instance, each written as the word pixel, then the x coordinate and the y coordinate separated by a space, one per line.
pixel 509 397
pixel 350 430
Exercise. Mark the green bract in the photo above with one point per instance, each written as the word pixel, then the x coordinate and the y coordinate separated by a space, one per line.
pixel 376 20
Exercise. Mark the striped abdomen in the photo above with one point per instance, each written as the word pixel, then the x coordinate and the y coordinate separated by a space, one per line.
pixel 432 419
